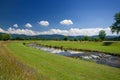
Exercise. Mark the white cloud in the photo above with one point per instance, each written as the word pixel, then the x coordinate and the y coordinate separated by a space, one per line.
pixel 44 23
pixel 54 31
pixel 15 25
pixel 28 25
pixel 66 22
pixel 77 31
pixel 1 30
pixel 21 31
pixel 70 32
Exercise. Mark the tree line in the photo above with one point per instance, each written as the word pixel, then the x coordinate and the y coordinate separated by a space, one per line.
pixel 100 37
pixel 5 36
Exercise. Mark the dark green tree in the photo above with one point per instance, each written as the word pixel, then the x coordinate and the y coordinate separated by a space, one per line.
pixel 6 36
pixel 97 39
pixel 19 38
pixel 116 26
pixel 75 39
pixel 102 34
pixel 65 38
pixel 0 36
pixel 85 38
pixel 56 39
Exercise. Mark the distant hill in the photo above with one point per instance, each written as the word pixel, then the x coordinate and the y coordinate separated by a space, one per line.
pixel 52 36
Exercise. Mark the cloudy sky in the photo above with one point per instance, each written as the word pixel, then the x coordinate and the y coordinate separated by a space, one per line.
pixel 66 17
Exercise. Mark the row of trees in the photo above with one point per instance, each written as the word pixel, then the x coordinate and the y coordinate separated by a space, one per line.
pixel 84 38
pixel 102 36
pixel 5 36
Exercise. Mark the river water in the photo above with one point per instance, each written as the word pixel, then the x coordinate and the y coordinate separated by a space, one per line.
pixel 97 57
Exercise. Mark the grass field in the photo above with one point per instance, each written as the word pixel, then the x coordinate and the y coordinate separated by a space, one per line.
pixel 107 47
pixel 11 68
pixel 54 67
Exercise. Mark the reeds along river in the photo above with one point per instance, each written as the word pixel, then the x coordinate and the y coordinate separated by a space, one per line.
pixel 97 57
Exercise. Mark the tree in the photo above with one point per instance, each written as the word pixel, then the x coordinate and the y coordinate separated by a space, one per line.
pixel 56 39
pixel 85 38
pixel 97 39
pixel 6 36
pixel 65 38
pixel 0 36
pixel 116 26
pixel 19 38
pixel 75 39
pixel 102 34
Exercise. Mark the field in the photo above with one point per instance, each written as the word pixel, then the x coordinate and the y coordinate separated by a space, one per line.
pixel 11 68
pixel 27 63
pixel 106 47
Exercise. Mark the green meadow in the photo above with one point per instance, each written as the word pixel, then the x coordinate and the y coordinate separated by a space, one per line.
pixel 33 64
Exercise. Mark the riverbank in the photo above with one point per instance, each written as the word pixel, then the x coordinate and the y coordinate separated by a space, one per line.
pixel 112 48
pixel 55 67
pixel 10 66
pixel 97 57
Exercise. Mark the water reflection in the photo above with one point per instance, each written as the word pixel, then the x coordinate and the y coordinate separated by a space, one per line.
pixel 100 58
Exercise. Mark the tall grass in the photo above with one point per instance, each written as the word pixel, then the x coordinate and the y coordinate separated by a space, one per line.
pixel 12 69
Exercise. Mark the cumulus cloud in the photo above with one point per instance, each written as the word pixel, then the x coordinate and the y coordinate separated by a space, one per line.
pixel 15 25
pixel 11 30
pixel 28 25
pixel 66 22
pixel 44 23
pixel 1 30
pixel 54 31
pixel 21 31
pixel 77 31
pixel 70 32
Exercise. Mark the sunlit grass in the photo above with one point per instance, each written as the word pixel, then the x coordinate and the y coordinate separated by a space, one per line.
pixel 55 67
pixel 11 68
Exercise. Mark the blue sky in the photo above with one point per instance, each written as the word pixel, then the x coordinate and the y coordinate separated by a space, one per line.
pixel 79 14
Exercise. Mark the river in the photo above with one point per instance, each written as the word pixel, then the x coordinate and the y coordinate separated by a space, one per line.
pixel 100 58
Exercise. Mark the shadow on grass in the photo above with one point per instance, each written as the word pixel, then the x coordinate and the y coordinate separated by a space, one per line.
pixel 107 43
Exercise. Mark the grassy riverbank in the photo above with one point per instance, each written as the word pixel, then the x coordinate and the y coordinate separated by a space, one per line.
pixel 107 47
pixel 54 67
pixel 11 68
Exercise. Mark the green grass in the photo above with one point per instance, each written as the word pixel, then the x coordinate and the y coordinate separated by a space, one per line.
pixel 107 47
pixel 55 67
pixel 11 68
